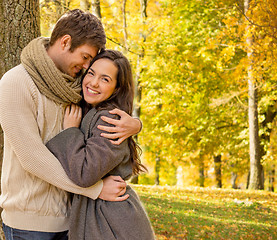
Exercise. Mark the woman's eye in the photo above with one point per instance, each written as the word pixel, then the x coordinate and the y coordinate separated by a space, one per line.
pixel 85 57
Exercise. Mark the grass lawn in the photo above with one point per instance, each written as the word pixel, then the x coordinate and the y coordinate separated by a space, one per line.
pixel 208 213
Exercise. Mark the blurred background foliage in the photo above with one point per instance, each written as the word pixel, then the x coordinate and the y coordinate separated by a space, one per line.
pixel 190 63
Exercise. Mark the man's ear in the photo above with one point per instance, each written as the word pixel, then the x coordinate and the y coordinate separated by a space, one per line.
pixel 65 42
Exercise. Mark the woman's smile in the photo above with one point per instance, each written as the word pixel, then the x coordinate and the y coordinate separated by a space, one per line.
pixel 100 81
pixel 92 91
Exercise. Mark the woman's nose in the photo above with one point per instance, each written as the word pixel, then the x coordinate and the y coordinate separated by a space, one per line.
pixel 94 82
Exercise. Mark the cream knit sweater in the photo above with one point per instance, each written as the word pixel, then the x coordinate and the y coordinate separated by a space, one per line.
pixel 32 178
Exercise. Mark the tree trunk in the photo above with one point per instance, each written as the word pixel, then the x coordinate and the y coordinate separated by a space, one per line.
pixel 19 25
pixel 139 69
pixel 143 6
pixel 85 5
pixel 157 169
pixel 125 25
pixel 271 179
pixel 136 113
pixel 201 179
pixel 233 180
pixel 217 164
pixel 134 179
pixel 255 181
pixel 234 175
pixel 268 116
pixel 247 180
pixel 138 89
pixel 96 8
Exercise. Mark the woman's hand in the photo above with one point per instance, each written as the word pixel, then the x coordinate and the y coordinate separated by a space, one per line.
pixel 72 116
pixel 124 128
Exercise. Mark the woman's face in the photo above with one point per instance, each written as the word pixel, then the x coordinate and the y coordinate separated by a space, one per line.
pixel 100 81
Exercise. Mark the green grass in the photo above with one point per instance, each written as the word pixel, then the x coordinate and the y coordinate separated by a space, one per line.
pixel 207 213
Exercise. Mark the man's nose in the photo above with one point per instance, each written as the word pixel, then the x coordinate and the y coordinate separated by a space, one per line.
pixel 86 64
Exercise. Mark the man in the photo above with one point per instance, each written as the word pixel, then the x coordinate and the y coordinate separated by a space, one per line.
pixel 33 95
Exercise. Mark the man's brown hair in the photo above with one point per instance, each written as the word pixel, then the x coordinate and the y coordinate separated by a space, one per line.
pixel 83 27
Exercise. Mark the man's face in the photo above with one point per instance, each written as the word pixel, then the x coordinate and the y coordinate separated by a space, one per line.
pixel 72 63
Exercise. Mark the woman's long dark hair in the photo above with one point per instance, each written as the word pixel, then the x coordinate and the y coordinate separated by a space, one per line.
pixel 122 98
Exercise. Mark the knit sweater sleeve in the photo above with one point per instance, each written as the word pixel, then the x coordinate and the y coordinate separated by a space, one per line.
pixel 18 121
pixel 86 161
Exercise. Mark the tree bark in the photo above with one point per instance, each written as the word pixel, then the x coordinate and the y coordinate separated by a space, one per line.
pixel 269 116
pixel 234 177
pixel 19 24
pixel 217 164
pixel 201 170
pixel 255 181
pixel 139 69
pixel 271 179
pixel 85 5
pixel 125 25
pixel 134 179
pixel 143 6
pixel 138 90
pixel 96 8
pixel 157 169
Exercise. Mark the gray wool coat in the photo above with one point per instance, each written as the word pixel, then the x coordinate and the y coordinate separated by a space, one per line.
pixel 87 157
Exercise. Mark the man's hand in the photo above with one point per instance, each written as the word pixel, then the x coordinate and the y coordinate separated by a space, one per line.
pixel 113 188
pixel 124 128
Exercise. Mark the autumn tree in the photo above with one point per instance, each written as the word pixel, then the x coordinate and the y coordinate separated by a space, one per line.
pixel 255 181
pixel 263 19
pixel 191 61
pixel 182 84
pixel 252 33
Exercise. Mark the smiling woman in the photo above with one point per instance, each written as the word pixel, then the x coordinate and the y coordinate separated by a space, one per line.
pixel 100 81
pixel 87 157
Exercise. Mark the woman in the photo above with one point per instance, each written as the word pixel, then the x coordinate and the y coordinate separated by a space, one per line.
pixel 88 157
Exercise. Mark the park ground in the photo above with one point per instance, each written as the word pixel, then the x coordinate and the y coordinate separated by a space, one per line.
pixel 210 213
